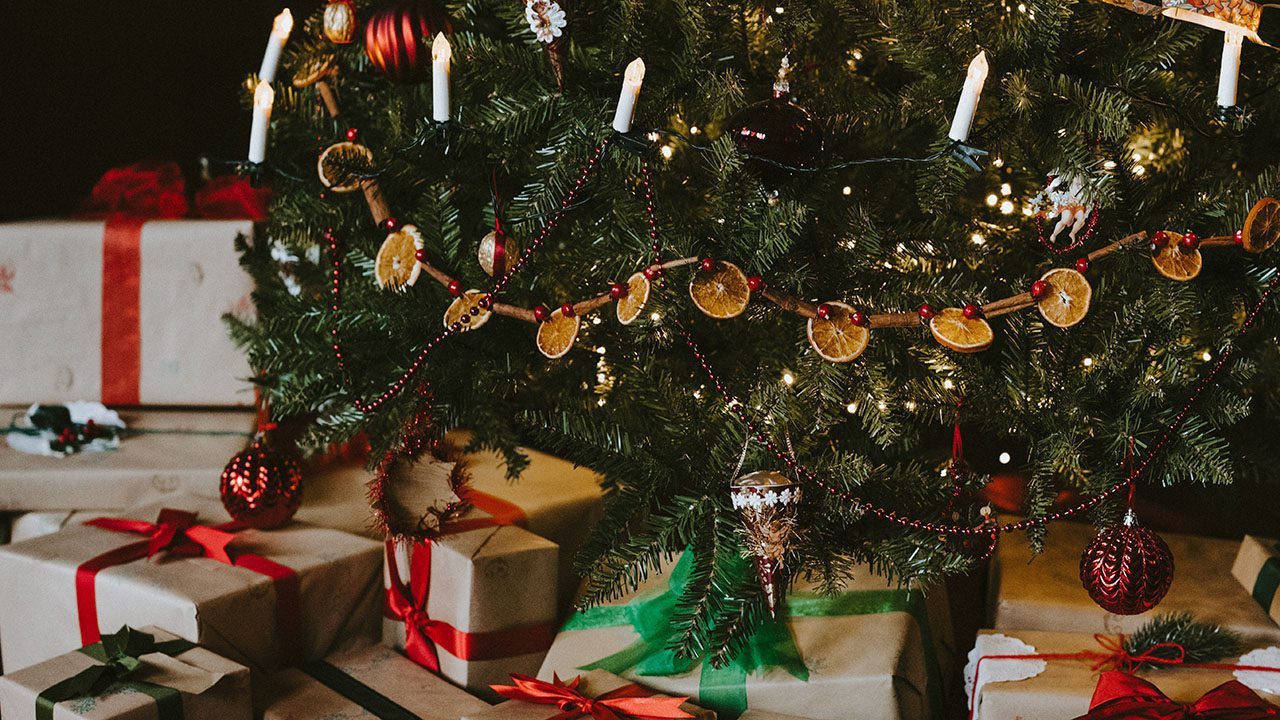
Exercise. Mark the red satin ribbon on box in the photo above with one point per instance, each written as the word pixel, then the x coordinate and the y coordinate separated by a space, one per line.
pixel 176 533
pixel 628 701
pixel 424 636
pixel 1120 696
pixel 127 197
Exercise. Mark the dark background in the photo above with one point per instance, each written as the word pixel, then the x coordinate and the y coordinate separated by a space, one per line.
pixel 85 86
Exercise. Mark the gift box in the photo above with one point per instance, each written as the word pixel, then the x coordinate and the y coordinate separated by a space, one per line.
pixel 134 674
pixel 888 649
pixel 366 683
pixel 122 311
pixel 1044 592
pixel 163 454
pixel 37 524
pixel 1060 688
pixel 1257 567
pixel 765 715
pixel 474 606
pixel 541 700
pixel 263 599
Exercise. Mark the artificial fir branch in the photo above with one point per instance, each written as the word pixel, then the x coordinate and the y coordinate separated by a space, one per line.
pixel 1201 642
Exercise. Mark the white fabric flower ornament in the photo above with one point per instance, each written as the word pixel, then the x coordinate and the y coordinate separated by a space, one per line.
pixel 546 19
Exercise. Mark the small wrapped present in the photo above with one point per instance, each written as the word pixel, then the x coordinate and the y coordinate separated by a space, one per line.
pixel 123 310
pixel 366 684
pixel 597 694
pixel 263 599
pixel 133 674
pixel 473 606
pixel 888 649
pixel 1257 567
pixel 162 454
pixel 1057 676
pixel 766 715
pixel 38 524
pixel 1044 592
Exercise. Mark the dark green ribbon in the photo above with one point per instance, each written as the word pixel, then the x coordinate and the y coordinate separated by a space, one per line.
pixel 771 646
pixel 369 700
pixel 1267 583
pixel 118 655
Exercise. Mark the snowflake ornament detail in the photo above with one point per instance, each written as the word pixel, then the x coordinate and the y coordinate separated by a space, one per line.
pixel 546 19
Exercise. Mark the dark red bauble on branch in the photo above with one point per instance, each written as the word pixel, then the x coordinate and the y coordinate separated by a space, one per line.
pixel 398 38
pixel 261 487
pixel 1127 569
pixel 779 132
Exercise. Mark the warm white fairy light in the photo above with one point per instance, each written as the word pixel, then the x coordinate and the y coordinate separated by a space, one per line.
pixel 655 316
pixel 1005 458
pixel 1109 165
pixel 1006 207
pixel 910 405
pixel 948 385
pixel 1206 356
pixel 694 130
pixel 1006 189
pixel 977 239
pixel 992 199
pixel 1087 362
pixel 851 408
pixel 880 405
pixel 846 190
pixel 667 151
pixel 788 378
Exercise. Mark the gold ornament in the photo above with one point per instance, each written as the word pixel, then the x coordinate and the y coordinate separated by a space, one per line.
pixel 768 502
pixel 340 21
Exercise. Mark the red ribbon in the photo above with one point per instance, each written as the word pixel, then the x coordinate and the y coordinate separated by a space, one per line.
pixel 1120 696
pixel 628 701
pixel 176 534
pixel 424 635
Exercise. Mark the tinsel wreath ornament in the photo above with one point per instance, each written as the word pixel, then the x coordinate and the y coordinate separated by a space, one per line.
pixel 262 487
pixel 340 21
pixel 1127 569
pixel 767 501
pixel 777 131
pixel 394 39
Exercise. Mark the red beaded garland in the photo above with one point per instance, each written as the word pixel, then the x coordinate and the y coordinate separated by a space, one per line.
pixel 617 291
pixel 824 311
pixel 262 487
pixel 1082 265
pixel 926 311
pixel 541 313
pixel 653 272
pixel 971 311
pixel 1039 289
pixel 755 283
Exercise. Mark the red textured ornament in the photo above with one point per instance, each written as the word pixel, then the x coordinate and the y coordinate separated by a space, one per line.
pixel 777 131
pixel 261 487
pixel 397 39
pixel 1127 569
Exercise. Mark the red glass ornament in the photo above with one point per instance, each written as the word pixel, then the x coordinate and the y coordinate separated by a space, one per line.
pixel 1127 569
pixel 455 288
pixel 971 311
pixel 859 318
pixel 707 264
pixel 778 131
pixel 926 312
pixel 1082 265
pixel 567 309
pixel 353 134
pixel 755 283
pixel 1190 241
pixel 1039 289
pixel 397 39
pixel 617 291
pixel 541 313
pixel 824 311
pixel 261 487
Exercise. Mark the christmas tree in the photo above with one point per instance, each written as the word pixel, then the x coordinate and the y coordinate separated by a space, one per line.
pixel 832 230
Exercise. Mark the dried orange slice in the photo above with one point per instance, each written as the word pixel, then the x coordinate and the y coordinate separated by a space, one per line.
pixel 722 293
pixel 557 334
pixel 1262 227
pixel 462 306
pixel 1175 263
pixel 341 164
pixel 1067 300
pixel 631 305
pixel 837 339
pixel 955 331
pixel 396 266
pixel 313 71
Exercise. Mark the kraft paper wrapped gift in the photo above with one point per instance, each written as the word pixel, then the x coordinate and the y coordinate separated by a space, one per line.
pixel 865 654
pixel 366 684
pixel 299 591
pixel 594 684
pixel 175 680
pixel 765 715
pixel 122 314
pixel 1062 689
pixel 37 524
pixel 1044 592
pixel 164 454
pixel 480 604
pixel 1257 567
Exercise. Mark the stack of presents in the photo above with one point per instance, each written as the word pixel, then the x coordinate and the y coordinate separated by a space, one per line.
pixel 122 594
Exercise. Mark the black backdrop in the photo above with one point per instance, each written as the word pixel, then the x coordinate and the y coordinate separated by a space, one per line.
pixel 88 85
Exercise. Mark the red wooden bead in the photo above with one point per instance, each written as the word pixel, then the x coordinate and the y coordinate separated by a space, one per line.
pixel 926 312
pixel 859 318
pixel 1238 238
pixel 755 283
pixel 455 288
pixel 1190 241
pixel 824 311
pixel 421 255
pixel 1082 265
pixel 1159 240
pixel 1039 289
pixel 972 312
pixel 390 224
pixel 617 291
pixel 541 313
pixel 653 272
pixel 707 264
pixel 567 309
pixel 353 134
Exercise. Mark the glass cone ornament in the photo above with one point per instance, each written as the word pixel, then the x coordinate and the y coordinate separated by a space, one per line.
pixel 1126 568
pixel 777 131
pixel 768 502
pixel 262 487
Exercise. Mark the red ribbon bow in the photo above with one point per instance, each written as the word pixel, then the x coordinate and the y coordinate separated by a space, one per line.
pixel 1120 696
pixel 628 701
pixel 155 189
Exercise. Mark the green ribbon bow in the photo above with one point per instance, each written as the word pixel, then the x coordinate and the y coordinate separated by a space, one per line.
pixel 771 646
pixel 119 657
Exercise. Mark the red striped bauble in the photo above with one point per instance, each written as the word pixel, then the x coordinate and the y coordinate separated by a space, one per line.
pixel 397 39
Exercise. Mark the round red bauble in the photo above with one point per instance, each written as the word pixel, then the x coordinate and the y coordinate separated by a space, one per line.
pixel 261 487
pixel 1127 569
pixel 397 39
pixel 777 131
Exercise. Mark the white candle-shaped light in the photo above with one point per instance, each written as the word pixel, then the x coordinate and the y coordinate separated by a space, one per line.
pixel 263 98
pixel 968 105
pixel 280 29
pixel 441 56
pixel 1229 74
pixel 632 79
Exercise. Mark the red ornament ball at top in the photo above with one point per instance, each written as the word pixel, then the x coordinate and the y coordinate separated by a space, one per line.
pixel 261 487
pixel 397 39
pixel 1127 569
pixel 778 131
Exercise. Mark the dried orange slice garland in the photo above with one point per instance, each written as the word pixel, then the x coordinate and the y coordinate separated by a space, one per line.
pixel 557 334
pixel 1176 262
pixel 396 266
pixel 837 337
pixel 722 292
pixel 632 303
pixel 1066 298
pixel 955 331
pixel 341 165
pixel 1262 226
pixel 462 306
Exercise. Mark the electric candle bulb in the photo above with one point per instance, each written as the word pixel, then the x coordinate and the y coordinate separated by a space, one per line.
pixel 280 29
pixel 968 105
pixel 263 98
pixel 632 79
pixel 441 57
pixel 1229 73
